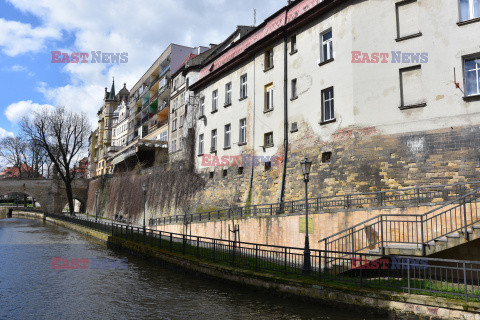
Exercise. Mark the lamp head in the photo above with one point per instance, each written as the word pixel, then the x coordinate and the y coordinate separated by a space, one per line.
pixel 306 164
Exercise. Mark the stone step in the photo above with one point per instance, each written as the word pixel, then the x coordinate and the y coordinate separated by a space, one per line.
pixel 476 226
pixel 441 239
pixel 453 235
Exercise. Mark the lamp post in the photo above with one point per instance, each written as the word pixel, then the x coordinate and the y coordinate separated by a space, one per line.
pixel 144 187
pixel 307 265
pixel 96 205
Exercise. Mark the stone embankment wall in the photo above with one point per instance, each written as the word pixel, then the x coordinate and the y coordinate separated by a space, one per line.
pixel 353 160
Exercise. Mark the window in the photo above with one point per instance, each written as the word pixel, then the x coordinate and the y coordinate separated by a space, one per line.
pixel 326 157
pixel 174 125
pixel 212 173
pixel 243 131
pixel 202 107
pixel 411 89
pixel 327 46
pixel 268 59
pixel 214 140
pixel 240 170
pixel 181 120
pixel 200 144
pixel 469 9
pixel 214 100
pixel 174 145
pixel 269 97
pixel 182 99
pixel 407 19
pixel 224 173
pixel 228 94
pixel 243 86
pixel 294 88
pixel 228 129
pixel 293 44
pixel 268 165
pixel 268 139
pixel 327 105
pixel 186 84
pixel 180 143
pixel 472 76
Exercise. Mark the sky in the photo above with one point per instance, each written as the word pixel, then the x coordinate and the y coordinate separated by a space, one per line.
pixel 31 29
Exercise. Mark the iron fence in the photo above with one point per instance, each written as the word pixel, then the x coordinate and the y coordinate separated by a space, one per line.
pixel 460 215
pixel 439 277
pixel 399 197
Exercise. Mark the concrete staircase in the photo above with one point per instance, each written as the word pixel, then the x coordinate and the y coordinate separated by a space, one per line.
pixel 449 241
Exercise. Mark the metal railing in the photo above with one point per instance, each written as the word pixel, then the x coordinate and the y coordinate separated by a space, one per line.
pixel 399 197
pixel 416 229
pixel 440 277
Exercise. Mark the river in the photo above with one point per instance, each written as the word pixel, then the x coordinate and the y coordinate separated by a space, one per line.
pixel 31 289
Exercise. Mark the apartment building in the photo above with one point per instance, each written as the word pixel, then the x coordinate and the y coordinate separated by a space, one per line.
pixel 141 127
pixel 101 138
pixel 374 105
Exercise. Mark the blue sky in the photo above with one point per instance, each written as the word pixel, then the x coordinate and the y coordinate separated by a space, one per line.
pixel 31 29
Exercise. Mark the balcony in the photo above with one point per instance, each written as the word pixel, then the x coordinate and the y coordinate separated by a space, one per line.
pixel 145 119
pixel 163 89
pixel 153 98
pixel 154 81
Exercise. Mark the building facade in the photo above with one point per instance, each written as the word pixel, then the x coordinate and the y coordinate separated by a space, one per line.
pixel 374 106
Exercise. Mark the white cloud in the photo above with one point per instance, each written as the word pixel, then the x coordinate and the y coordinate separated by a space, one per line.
pixel 142 28
pixel 16 111
pixel 17 68
pixel 4 133
pixel 17 38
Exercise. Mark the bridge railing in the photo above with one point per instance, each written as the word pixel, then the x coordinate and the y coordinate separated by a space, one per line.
pixel 448 278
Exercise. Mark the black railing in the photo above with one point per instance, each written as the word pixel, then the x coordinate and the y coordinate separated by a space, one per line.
pixel 440 277
pixel 382 231
pixel 399 197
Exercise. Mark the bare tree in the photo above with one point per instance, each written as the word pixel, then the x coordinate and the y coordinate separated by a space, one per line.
pixel 63 134
pixel 13 151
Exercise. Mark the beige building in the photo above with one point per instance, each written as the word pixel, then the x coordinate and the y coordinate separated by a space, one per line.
pixel 374 105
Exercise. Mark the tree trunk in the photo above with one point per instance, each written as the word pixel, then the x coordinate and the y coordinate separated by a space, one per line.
pixel 68 189
pixel 24 200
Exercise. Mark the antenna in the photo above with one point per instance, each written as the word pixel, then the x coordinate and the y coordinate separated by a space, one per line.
pixel 254 17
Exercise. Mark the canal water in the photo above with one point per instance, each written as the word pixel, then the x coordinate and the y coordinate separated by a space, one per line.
pixel 31 289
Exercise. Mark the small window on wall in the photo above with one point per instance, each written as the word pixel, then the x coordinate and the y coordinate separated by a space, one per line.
pixel 326 157
pixel 326 50
pixel 268 59
pixel 328 110
pixel 472 76
pixel 268 97
pixel 293 44
pixel 294 89
pixel 469 9
pixel 411 89
pixel 268 139
pixel 407 19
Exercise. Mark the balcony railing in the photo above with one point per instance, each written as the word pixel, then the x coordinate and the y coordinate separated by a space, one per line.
pixel 154 81
pixel 162 89
pixel 145 119
pixel 152 98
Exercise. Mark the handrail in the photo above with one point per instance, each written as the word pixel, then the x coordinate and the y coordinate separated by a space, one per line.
pixel 425 228
pixel 380 198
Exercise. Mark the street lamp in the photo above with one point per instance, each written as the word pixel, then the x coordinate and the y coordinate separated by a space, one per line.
pixel 306 164
pixel 96 205
pixel 144 187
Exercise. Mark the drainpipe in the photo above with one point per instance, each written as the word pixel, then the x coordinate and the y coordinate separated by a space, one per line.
pixel 285 113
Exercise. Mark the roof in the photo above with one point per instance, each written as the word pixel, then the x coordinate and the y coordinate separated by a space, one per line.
pixel 295 13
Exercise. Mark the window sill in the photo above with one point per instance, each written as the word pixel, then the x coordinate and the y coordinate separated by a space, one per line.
pixel 213 151
pixel 326 61
pixel 474 97
pixel 415 35
pixel 173 130
pixel 293 131
pixel 462 23
pixel 269 146
pixel 267 69
pixel 202 117
pixel 293 52
pixel 242 144
pixel 267 110
pixel 294 98
pixel 413 106
pixel 200 155
pixel 227 148
pixel 213 111
pixel 327 122
pixel 243 98
pixel 227 104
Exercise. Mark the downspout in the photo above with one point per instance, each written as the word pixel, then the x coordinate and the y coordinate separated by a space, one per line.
pixel 253 130
pixel 285 114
